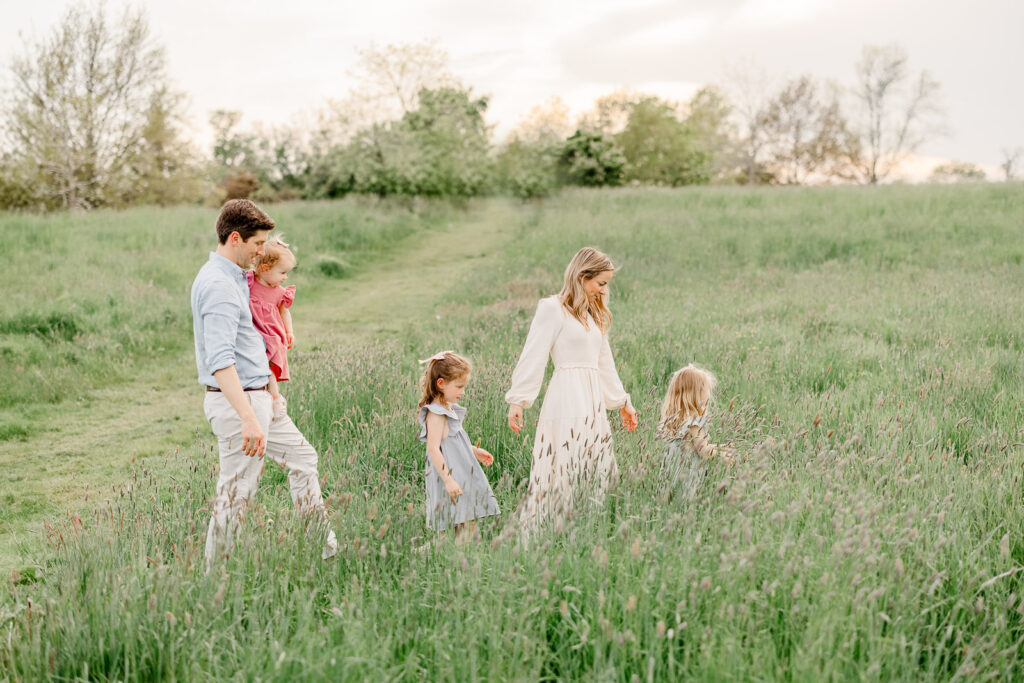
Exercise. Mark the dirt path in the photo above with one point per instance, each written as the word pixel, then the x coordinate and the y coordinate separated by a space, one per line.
pixel 89 447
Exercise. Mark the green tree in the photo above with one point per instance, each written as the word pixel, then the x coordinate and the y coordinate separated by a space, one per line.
pixel 708 118
pixel 439 149
pixel 956 172
pixel 278 157
pixel 449 143
pixel 232 149
pixel 86 104
pixel 526 164
pixel 591 160
pixel 165 168
pixel 660 148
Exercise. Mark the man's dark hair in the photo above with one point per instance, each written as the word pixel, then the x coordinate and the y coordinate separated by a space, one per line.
pixel 243 217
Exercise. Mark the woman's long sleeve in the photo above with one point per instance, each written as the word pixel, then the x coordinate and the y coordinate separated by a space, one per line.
pixel 613 392
pixel 529 373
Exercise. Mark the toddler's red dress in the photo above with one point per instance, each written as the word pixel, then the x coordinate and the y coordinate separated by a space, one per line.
pixel 265 303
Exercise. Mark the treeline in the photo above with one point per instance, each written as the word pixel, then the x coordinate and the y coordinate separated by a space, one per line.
pixel 92 119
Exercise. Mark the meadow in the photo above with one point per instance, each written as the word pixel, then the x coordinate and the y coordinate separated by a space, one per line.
pixel 868 346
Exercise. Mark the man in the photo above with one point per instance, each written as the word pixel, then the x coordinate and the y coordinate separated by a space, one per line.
pixel 231 357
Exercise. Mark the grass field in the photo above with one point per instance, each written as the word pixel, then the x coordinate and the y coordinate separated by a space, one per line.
pixel 868 344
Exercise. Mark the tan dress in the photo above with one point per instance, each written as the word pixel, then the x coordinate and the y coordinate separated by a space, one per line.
pixel 683 467
pixel 573 444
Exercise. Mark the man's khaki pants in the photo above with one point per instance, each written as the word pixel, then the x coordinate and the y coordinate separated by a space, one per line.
pixel 240 474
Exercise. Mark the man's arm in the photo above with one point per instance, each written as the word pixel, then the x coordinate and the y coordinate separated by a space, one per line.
pixel 220 329
pixel 254 441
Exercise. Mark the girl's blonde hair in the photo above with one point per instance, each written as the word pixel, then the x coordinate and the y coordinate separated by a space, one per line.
pixel 689 393
pixel 273 251
pixel 586 264
pixel 446 365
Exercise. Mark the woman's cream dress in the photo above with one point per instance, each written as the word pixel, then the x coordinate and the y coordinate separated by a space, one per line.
pixel 573 445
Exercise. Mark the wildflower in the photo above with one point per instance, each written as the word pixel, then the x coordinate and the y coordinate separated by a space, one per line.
pixel 705 583
pixel 563 608
pixel 631 603
pixel 1004 545
pixel 659 628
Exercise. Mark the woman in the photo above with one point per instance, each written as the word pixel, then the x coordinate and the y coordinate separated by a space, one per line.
pixel 573 444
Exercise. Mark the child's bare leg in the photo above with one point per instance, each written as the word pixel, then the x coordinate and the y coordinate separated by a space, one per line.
pixel 463 532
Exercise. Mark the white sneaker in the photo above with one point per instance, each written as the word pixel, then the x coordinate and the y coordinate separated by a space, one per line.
pixel 331 548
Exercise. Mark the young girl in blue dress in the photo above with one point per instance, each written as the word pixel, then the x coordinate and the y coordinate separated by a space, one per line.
pixel 458 492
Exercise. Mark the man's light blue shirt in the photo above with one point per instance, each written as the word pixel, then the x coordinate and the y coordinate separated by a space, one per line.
pixel 222 325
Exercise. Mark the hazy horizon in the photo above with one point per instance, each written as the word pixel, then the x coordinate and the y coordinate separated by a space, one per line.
pixel 272 62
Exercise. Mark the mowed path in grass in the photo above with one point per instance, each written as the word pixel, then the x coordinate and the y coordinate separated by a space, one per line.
pixel 89 449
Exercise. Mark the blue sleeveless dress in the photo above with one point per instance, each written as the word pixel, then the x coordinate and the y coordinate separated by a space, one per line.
pixel 477 499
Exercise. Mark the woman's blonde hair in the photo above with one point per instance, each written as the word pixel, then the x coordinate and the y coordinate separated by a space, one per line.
pixel 273 251
pixel 446 365
pixel 588 263
pixel 689 393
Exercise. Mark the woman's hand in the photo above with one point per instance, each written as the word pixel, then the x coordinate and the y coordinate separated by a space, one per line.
pixel 515 417
pixel 629 417
pixel 289 339
pixel 453 489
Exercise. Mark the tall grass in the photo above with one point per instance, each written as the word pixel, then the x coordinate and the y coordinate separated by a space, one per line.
pixel 92 296
pixel 868 347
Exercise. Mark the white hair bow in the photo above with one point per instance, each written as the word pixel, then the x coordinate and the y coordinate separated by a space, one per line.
pixel 436 356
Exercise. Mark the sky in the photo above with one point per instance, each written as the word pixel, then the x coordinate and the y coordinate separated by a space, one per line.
pixel 273 59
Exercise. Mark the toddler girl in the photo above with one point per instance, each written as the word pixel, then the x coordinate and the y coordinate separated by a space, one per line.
pixel 458 493
pixel 684 427
pixel 269 303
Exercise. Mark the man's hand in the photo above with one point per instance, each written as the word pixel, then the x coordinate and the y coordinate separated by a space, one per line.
pixel 254 441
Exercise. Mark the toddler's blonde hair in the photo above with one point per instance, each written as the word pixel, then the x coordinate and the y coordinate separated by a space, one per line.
pixel 273 251
pixel 689 393
pixel 446 365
